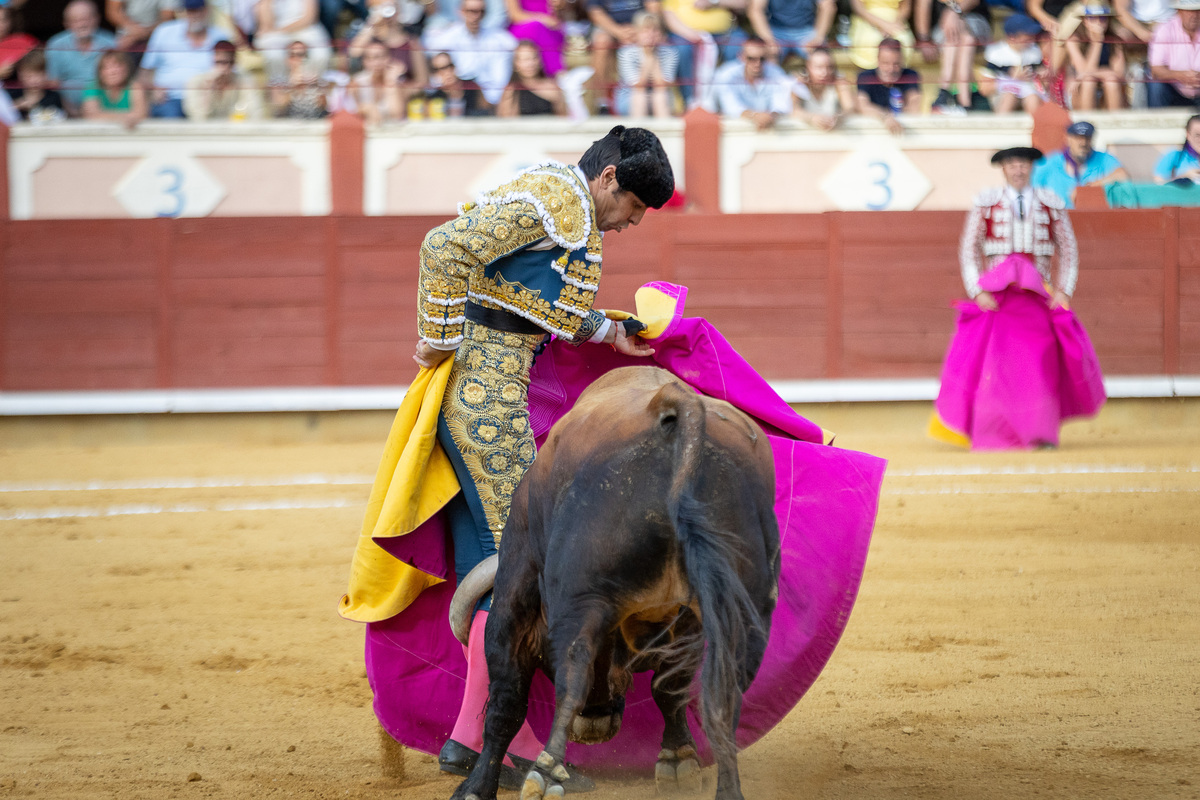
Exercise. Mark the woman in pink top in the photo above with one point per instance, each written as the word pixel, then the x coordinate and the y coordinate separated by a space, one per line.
pixel 539 21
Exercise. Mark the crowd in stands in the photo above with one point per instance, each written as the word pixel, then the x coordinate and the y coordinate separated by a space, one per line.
pixel 391 60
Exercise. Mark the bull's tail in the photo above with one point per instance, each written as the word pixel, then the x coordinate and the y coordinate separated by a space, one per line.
pixel 733 627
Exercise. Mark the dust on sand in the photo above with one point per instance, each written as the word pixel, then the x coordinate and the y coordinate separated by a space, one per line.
pixel 1029 623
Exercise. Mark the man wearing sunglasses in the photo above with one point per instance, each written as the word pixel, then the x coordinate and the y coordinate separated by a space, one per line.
pixel 753 87
pixel 480 54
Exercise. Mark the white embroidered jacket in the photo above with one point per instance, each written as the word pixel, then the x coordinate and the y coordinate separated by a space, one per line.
pixel 993 231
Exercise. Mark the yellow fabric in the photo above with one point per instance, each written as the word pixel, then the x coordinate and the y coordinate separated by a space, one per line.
pixel 939 431
pixel 865 37
pixel 415 479
pixel 710 20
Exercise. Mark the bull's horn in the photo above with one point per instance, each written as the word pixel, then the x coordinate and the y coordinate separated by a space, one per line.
pixel 478 582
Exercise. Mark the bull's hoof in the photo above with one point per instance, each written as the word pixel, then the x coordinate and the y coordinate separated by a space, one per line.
pixel 546 778
pixel 594 730
pixel 678 771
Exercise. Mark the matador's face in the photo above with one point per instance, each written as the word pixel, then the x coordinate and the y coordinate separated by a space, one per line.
pixel 616 209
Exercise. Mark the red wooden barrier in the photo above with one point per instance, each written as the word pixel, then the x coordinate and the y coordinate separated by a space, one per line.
pixel 240 302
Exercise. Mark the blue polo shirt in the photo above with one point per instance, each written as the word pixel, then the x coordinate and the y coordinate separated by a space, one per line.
pixel 1053 173
pixel 1174 164
pixel 72 68
pixel 175 60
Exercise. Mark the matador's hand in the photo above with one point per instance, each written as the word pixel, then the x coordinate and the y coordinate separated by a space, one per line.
pixel 630 345
pixel 429 356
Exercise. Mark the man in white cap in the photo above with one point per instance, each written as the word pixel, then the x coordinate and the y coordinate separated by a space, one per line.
pixel 1175 58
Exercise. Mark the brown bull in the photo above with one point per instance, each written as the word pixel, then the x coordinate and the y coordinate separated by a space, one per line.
pixel 642 538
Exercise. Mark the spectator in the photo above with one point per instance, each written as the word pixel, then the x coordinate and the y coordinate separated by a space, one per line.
pixel 1077 164
pixel 1013 68
pixel 72 56
pixel 239 18
pixel 223 92
pixel 178 51
pixel 13 45
pixel 612 26
pixel 1097 59
pixel 693 23
pixel 540 22
pixel 647 67
pixel 450 96
pixel 379 92
pixel 1142 17
pixel 1175 58
pixel 1182 164
pixel 792 26
pixel 530 92
pixel 135 20
pixel 753 87
pixel 338 94
pixel 890 89
pixel 302 93
pixel 480 54
pixel 384 25
pixel 330 12
pixel 871 22
pixel 32 98
pixel 951 30
pixel 823 98
pixel 1048 14
pixel 113 96
pixel 281 22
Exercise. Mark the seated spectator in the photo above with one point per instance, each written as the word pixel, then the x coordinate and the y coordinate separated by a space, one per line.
pixel 113 96
pixel 612 27
pixel 1097 60
pixel 380 88
pixel 890 89
pixel 792 26
pixel 72 56
pixel 1140 18
pixel 13 45
pixel 823 97
pixel 240 19
pixel 338 94
pixel 951 30
pixel 222 93
pixel 178 51
pixel 871 22
pixel 482 55
pixel 281 22
pixel 691 23
pixel 1175 58
pixel 448 95
pixel 383 25
pixel 32 98
pixel 135 20
pixel 539 21
pixel 753 87
pixel 1077 164
pixel 1182 164
pixel 647 67
pixel 330 12
pixel 530 92
pixel 1013 72
pixel 1048 14
pixel 302 93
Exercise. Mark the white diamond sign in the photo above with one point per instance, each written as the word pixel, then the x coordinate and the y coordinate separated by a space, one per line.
pixel 876 178
pixel 169 186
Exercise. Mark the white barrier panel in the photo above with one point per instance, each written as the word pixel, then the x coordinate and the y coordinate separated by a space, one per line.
pixel 431 167
pixel 83 170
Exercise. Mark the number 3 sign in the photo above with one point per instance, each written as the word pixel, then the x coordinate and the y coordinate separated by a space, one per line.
pixel 169 186
pixel 876 178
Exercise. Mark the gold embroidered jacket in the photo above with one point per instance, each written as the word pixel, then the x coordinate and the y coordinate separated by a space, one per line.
pixel 485 255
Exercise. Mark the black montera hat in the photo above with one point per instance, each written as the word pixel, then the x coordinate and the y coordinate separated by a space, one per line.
pixel 1028 153
pixel 644 168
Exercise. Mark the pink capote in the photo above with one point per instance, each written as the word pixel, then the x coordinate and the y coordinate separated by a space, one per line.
pixel 826 501
pixel 1014 375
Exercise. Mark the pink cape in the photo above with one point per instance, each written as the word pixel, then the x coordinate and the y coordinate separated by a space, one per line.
pixel 826 501
pixel 1014 375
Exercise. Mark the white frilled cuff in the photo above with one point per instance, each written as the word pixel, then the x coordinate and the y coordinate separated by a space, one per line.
pixel 598 336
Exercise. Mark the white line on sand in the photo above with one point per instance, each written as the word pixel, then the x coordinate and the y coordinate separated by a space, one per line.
pixel 68 512
pixel 227 482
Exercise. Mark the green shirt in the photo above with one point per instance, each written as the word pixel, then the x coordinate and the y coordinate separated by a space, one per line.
pixel 93 91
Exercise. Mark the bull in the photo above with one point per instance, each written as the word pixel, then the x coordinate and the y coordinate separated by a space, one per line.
pixel 642 538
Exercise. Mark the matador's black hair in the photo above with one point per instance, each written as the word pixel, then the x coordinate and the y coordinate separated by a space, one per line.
pixel 642 165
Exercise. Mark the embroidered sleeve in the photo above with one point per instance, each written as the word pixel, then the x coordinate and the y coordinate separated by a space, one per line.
pixel 969 248
pixel 1068 251
pixel 589 326
pixel 453 252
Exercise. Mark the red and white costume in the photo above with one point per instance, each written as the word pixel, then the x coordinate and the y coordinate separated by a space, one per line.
pixel 995 230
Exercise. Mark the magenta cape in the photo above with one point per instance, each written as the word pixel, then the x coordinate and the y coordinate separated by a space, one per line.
pixel 1014 375
pixel 826 501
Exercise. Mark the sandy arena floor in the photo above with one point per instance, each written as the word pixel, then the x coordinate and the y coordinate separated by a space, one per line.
pixel 1029 624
